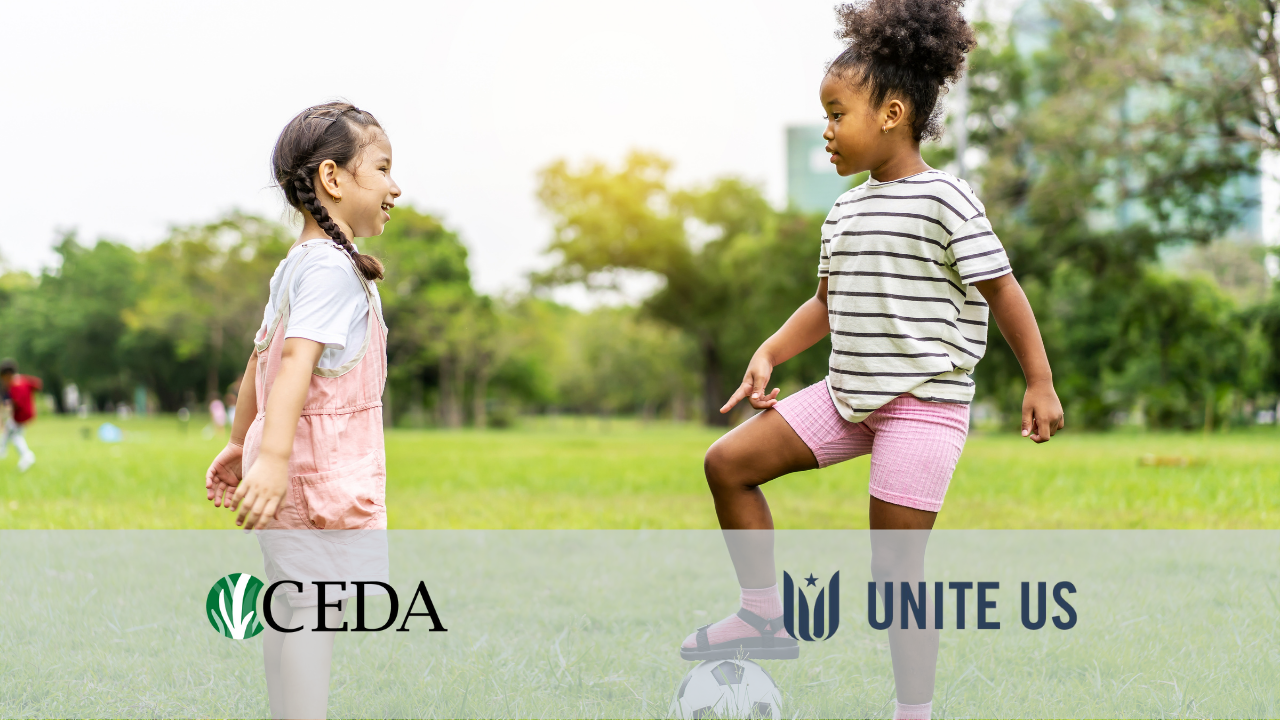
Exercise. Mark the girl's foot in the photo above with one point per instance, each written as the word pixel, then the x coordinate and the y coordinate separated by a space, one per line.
pixel 755 632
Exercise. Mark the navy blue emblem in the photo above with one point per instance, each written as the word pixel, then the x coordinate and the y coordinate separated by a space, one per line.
pixel 825 613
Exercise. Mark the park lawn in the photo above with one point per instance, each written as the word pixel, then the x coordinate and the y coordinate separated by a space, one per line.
pixel 584 473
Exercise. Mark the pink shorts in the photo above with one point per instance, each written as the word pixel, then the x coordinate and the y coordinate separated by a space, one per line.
pixel 914 444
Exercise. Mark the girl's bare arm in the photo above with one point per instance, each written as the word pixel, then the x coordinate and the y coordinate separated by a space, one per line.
pixel 1041 410
pixel 225 471
pixel 246 401
pixel 806 326
pixel 264 487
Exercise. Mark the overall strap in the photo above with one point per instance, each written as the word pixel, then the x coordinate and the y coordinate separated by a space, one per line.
pixel 283 310
pixel 374 316
pixel 374 307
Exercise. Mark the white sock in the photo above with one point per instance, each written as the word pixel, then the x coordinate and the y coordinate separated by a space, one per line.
pixel 912 712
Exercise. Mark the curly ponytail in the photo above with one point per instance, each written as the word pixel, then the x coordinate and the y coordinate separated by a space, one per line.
pixel 910 48
pixel 334 131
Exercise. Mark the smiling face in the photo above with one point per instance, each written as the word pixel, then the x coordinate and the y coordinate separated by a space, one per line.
pixel 859 137
pixel 366 189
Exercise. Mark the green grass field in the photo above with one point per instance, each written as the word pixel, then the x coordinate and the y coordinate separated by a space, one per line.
pixel 582 473
pixel 585 624
pixel 1173 624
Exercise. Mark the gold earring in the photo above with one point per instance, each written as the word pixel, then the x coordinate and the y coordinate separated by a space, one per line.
pixel 884 128
pixel 337 199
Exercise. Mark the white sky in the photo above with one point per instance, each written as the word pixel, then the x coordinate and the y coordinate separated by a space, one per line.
pixel 123 118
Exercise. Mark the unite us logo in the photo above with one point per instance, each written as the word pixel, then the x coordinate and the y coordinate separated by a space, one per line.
pixel 232 606
pixel 823 620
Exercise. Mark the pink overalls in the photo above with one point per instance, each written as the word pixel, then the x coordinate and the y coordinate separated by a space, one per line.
pixel 324 529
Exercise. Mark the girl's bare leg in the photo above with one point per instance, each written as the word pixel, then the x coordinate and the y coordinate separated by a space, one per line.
pixel 272 643
pixel 298 663
pixel 897 555
pixel 757 451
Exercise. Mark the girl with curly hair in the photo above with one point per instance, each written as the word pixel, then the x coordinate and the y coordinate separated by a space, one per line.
pixel 909 271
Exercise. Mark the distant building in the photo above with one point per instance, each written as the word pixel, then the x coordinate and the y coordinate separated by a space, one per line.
pixel 812 182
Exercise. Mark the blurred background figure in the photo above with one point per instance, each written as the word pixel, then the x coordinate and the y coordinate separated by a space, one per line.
pixel 19 409
pixel 230 399
pixel 71 397
pixel 218 414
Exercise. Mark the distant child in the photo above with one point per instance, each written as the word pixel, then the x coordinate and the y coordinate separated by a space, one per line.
pixel 20 408
pixel 908 271
pixel 218 414
pixel 307 435
pixel 229 401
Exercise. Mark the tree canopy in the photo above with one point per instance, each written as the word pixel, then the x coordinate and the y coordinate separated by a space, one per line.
pixel 732 268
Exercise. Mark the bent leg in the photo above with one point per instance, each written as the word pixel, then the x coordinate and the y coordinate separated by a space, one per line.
pixel 736 465
pixel 802 432
pixel 757 451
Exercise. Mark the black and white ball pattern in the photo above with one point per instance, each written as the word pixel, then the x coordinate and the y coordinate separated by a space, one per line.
pixel 727 689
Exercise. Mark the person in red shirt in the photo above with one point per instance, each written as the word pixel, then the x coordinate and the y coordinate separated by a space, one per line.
pixel 20 407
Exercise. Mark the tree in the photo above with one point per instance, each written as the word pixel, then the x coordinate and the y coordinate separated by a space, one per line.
pixel 1120 135
pixel 1181 344
pixel 1250 31
pixel 66 326
pixel 204 290
pixel 620 361
pixel 727 290
pixel 432 310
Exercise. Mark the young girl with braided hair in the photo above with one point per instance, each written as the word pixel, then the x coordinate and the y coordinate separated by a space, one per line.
pixel 909 270
pixel 306 463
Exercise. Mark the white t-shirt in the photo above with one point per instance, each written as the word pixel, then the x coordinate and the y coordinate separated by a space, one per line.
pixel 326 300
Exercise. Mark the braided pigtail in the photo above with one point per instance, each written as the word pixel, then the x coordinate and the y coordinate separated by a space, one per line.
pixel 307 198
pixel 334 131
pixel 369 266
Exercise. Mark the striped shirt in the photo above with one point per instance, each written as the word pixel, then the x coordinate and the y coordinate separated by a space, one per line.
pixel 901 258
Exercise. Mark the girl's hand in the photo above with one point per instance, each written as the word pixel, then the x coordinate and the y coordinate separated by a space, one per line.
pixel 224 474
pixel 259 496
pixel 753 385
pixel 1041 412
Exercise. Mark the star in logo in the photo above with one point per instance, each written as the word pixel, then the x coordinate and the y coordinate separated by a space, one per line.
pixel 813 581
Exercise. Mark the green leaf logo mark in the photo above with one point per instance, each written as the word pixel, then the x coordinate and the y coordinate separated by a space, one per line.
pixel 232 606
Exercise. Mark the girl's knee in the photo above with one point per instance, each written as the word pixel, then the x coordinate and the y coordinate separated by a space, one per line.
pixel 718 466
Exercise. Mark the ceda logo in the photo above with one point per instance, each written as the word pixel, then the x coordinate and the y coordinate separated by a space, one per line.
pixel 232 606
pixel 796 613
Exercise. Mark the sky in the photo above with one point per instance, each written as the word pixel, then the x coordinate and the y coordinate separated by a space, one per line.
pixel 125 118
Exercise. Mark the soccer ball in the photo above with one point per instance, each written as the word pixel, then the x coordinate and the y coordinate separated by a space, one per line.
pixel 727 689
